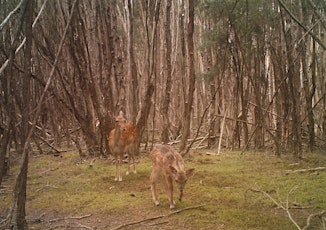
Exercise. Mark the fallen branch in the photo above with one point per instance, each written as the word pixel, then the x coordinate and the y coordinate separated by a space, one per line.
pixel 320 215
pixel 70 217
pixel 305 170
pixel 38 219
pixel 285 208
pixel 157 217
pixel 70 226
pixel 48 170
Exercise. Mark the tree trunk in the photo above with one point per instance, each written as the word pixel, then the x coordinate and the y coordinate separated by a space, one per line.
pixel 19 221
pixel 309 90
pixel 131 68
pixel 168 73
pixel 294 81
pixel 191 75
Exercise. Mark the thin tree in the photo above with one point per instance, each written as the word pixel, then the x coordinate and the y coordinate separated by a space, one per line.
pixel 191 76
pixel 168 73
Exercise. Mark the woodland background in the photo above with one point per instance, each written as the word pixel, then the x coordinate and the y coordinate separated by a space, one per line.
pixel 201 73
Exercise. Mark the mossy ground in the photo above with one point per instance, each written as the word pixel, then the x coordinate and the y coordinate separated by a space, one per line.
pixel 61 189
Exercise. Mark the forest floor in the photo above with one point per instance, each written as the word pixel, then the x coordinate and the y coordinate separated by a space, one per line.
pixel 228 191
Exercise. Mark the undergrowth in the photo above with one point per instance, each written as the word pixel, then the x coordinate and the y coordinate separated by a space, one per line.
pixel 235 191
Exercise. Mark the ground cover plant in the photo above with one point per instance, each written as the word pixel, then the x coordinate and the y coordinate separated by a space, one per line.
pixel 253 190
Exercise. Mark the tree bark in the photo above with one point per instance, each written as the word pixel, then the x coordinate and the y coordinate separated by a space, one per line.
pixel 19 221
pixel 131 68
pixel 293 77
pixel 168 73
pixel 191 75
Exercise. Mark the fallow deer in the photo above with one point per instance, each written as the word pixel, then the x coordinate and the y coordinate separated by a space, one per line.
pixel 166 159
pixel 123 139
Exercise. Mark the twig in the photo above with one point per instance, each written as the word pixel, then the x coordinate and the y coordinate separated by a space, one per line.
pixel 157 217
pixel 301 25
pixel 285 208
pixel 70 217
pixel 38 219
pixel 305 170
pixel 312 216
pixel 10 14
pixel 46 186
pixel 202 120
pixel 49 170
pixel 69 226
pixel 269 196
pixel 84 226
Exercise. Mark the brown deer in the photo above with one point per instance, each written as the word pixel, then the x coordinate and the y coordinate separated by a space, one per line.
pixel 123 139
pixel 165 158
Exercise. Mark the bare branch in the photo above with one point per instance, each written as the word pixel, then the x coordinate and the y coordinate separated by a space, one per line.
pixel 70 217
pixel 10 14
pixel 157 217
pixel 301 25
pixel 5 64
pixel 320 215
pixel 286 208
pixel 306 170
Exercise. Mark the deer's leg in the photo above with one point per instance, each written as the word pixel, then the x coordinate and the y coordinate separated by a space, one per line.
pixel 120 163
pixel 153 179
pixel 128 168
pixel 133 158
pixel 116 166
pixel 169 184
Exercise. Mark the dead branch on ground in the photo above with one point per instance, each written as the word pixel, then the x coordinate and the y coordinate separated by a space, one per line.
pixel 157 217
pixel 70 226
pixel 286 207
pixel 69 218
pixel 319 215
pixel 305 170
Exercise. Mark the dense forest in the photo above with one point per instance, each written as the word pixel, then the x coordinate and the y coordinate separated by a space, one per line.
pixel 232 74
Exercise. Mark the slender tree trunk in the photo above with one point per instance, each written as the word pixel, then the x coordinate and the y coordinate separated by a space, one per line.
pixel 151 64
pixel 131 71
pixel 19 221
pixel 5 142
pixel 168 73
pixel 192 78
pixel 309 90
pixel 294 81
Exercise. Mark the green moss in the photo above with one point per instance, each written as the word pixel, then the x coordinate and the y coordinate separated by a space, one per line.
pixel 67 185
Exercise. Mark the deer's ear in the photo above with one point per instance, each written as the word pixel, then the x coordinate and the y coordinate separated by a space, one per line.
pixel 173 170
pixel 189 172
pixel 121 113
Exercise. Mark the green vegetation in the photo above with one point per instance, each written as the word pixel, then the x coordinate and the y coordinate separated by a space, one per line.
pixel 232 188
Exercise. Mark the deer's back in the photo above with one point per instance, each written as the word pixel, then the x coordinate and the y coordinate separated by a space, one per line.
pixel 163 155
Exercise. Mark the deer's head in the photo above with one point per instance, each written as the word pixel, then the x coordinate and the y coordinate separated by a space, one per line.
pixel 120 122
pixel 181 177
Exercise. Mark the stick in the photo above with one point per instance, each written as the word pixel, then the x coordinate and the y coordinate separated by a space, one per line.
pixel 321 214
pixel 279 204
pixel 10 14
pixel 70 217
pixel 305 170
pixel 157 217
